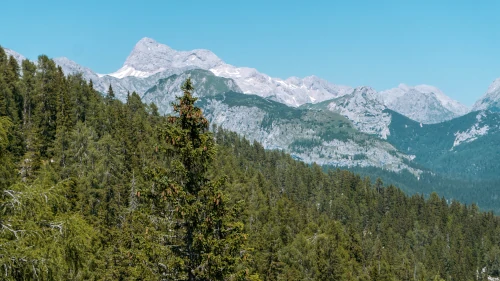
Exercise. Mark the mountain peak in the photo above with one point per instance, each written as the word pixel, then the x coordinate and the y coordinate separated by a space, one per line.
pixel 149 45
pixel 422 103
pixel 403 87
pixel 146 41
pixel 495 86
pixel 149 57
pixel 367 90
pixel 491 99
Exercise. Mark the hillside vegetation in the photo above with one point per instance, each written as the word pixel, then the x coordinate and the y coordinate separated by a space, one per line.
pixel 95 189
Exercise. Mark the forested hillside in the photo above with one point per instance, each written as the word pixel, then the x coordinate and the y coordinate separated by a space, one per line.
pixel 95 189
pixel 467 147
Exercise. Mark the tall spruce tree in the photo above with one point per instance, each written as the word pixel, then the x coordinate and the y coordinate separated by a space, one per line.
pixel 209 237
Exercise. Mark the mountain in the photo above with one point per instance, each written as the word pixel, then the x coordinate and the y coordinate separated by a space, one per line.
pixel 150 57
pixel 491 99
pixel 422 103
pixel 19 58
pixel 121 86
pixel 150 61
pixel 364 110
pixel 315 121
pixel 206 84
pixel 312 134
pixel 467 147
pixel 319 136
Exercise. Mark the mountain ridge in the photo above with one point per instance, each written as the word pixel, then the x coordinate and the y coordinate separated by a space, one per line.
pixel 422 103
pixel 150 61
pixel 491 99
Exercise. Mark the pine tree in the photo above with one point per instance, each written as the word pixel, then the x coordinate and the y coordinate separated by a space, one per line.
pixel 210 236
pixel 46 100
pixel 6 167
pixel 110 95
pixel 28 89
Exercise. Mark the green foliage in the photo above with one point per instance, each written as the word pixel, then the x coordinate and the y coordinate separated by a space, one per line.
pixel 433 145
pixel 40 237
pixel 208 237
pixel 95 189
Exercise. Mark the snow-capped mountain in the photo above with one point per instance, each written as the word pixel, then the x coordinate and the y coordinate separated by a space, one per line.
pixel 293 91
pixel 422 103
pixel 150 61
pixel 150 57
pixel 491 99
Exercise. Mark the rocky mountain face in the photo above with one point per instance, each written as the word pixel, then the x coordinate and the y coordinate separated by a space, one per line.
pixel 491 99
pixel 364 110
pixel 422 103
pixel 312 134
pixel 206 84
pixel 319 136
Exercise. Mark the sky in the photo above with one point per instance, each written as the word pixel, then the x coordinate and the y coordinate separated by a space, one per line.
pixel 452 45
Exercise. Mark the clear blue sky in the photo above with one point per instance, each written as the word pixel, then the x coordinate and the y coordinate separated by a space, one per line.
pixel 453 45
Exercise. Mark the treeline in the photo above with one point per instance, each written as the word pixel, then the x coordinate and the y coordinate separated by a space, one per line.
pixel 95 189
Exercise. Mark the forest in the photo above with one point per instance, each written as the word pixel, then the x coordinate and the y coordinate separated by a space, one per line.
pixel 92 188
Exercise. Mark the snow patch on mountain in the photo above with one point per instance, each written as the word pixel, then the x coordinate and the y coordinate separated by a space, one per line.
pixel 129 71
pixel 422 103
pixel 364 110
pixel 472 133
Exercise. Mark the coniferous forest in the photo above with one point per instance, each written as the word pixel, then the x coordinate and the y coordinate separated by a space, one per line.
pixel 95 189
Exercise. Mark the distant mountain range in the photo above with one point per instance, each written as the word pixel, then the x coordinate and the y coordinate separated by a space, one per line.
pixel 413 128
pixel 150 61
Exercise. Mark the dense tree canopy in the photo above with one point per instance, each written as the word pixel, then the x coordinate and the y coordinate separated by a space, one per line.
pixel 95 189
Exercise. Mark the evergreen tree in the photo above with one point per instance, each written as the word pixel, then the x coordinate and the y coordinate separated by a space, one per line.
pixel 210 236
pixel 7 166
pixel 110 95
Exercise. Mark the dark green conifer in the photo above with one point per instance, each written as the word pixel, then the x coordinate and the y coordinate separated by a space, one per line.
pixel 210 237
